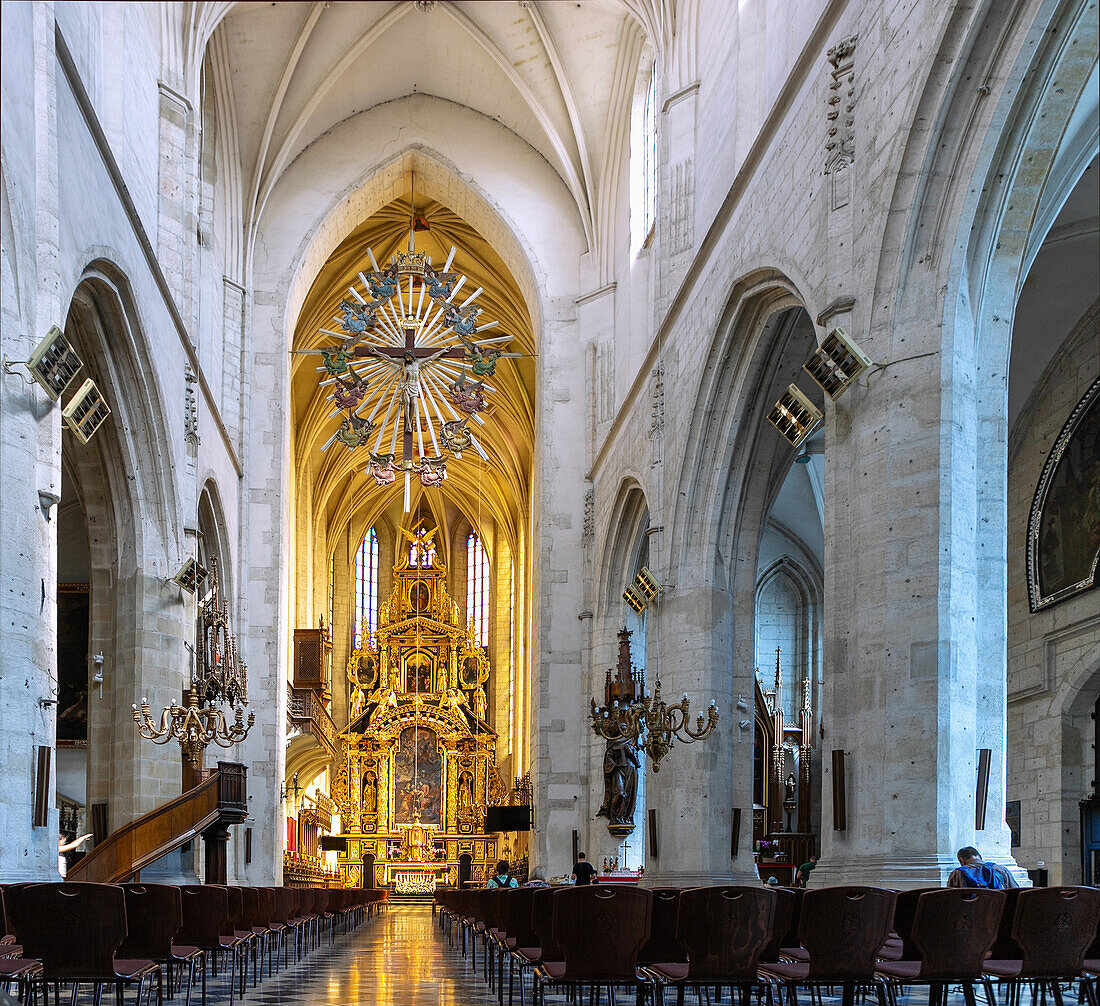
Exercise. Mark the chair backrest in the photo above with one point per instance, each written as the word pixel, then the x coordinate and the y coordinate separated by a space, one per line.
pixel 72 928
pixel 954 930
pixel 662 945
pixel 600 929
pixel 268 910
pixel 205 915
pixel 236 908
pixel 724 930
pixel 842 929
pixel 542 922
pixel 1005 948
pixel 154 914
pixel 905 911
pixel 1054 927
pixel 251 916
pixel 787 899
pixel 516 916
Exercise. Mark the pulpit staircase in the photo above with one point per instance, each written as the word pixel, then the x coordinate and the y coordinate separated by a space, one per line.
pixel 207 810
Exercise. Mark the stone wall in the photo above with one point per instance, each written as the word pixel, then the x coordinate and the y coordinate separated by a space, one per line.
pixel 1053 654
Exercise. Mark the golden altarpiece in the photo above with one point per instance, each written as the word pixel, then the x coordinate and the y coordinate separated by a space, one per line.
pixel 417 763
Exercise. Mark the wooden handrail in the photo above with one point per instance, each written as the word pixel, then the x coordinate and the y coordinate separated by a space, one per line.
pixel 151 836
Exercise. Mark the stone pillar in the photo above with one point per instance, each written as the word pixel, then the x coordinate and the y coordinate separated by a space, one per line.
pixel 177 217
pixel 909 696
pixel 699 784
pixel 30 443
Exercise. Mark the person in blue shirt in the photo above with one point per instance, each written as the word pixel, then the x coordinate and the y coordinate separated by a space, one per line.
pixel 972 872
pixel 502 878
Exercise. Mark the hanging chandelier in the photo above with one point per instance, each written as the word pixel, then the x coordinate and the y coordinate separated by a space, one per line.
pixel 406 371
pixel 631 714
pixel 220 677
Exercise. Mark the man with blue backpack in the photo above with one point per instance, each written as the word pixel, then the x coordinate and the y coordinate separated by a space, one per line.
pixel 972 872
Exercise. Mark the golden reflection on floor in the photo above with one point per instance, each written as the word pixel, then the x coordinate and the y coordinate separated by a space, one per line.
pixel 399 958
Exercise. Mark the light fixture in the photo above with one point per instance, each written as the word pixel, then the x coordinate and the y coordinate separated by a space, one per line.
pixel 53 364
pixel 406 367
pixel 293 788
pixel 86 411
pixel 47 500
pixel 190 576
pixel 194 727
pixel 642 590
pixel 795 416
pixel 220 677
pixel 836 363
pixel 630 714
pixel 635 599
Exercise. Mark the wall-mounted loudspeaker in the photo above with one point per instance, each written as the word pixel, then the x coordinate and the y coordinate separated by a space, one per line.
pixel 576 845
pixel 42 787
pixel 654 848
pixel 735 831
pixel 984 755
pixel 840 807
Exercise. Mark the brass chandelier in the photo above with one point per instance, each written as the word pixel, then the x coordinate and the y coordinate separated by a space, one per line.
pixel 220 677
pixel 645 721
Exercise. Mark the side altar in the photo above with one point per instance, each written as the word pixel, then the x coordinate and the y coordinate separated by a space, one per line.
pixel 417 763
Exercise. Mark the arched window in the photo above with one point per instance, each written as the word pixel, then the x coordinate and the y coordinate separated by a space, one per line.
pixel 477 588
pixel 366 586
pixel 643 160
pixel 649 153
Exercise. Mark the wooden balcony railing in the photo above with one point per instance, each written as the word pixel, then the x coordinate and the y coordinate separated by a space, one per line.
pixel 307 714
pixel 221 799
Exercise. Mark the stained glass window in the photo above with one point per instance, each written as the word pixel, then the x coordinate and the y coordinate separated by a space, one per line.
pixel 477 588
pixel 366 586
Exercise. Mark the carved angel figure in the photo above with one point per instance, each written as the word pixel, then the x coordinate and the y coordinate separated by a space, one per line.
pixel 382 470
pixel 468 398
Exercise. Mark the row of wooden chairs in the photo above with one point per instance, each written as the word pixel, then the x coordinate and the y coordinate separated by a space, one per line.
pixel 766 941
pixel 134 934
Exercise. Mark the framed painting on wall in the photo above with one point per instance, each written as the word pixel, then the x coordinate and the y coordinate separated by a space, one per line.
pixel 1063 533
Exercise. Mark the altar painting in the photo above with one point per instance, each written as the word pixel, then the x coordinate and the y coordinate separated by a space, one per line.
pixel 418 775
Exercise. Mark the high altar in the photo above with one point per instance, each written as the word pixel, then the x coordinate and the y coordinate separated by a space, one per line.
pixel 418 760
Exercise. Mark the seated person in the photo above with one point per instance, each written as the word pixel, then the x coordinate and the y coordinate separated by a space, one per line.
pixel 502 878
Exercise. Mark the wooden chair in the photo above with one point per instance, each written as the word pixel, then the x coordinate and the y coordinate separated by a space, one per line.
pixel 662 945
pixel 205 920
pixel 1054 927
pixel 841 929
pixel 723 931
pixel 951 933
pixel 75 931
pixel 154 915
pixel 600 930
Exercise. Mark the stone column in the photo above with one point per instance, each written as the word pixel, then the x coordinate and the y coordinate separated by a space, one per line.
pixel 30 445
pixel 909 696
pixel 699 784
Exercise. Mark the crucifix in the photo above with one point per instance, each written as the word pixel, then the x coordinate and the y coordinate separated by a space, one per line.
pixel 409 358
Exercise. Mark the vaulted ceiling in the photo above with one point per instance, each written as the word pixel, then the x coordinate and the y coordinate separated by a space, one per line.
pixel 561 75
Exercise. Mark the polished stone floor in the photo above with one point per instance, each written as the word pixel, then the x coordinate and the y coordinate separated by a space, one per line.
pixel 398 958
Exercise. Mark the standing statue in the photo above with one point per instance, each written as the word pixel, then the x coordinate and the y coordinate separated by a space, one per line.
pixel 620 787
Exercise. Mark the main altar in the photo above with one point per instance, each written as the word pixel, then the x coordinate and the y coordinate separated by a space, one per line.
pixel 417 763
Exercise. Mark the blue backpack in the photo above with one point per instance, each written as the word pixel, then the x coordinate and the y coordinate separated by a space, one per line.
pixel 981 875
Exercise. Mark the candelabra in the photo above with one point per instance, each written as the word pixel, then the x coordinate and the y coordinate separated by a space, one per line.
pixel 643 720
pixel 221 676
pixel 194 727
